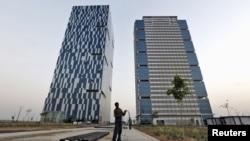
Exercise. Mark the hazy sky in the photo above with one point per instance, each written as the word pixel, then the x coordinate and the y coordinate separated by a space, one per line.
pixel 32 31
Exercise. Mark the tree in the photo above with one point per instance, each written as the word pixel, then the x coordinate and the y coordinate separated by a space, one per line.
pixel 180 90
pixel 13 117
pixel 226 106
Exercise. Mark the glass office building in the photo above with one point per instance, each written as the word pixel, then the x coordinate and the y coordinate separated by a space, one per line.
pixel 82 82
pixel 163 48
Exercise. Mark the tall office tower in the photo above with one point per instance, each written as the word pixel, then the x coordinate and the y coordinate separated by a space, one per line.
pixel 82 82
pixel 162 49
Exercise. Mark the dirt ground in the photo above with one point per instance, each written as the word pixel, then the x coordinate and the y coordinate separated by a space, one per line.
pixel 150 132
pixel 164 138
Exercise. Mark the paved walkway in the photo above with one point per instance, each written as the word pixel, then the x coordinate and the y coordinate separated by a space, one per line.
pixel 56 135
pixel 130 135
pixel 135 135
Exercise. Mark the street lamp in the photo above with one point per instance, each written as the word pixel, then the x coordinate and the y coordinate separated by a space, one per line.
pixel 21 107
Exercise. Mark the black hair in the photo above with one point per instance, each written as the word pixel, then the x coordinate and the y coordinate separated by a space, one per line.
pixel 116 104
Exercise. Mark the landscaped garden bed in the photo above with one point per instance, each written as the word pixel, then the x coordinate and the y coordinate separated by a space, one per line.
pixel 175 133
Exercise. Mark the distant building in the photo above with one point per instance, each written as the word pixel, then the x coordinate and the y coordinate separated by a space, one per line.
pixel 163 48
pixel 54 117
pixel 229 120
pixel 82 81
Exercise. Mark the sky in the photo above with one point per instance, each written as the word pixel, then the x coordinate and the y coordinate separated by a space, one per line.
pixel 32 31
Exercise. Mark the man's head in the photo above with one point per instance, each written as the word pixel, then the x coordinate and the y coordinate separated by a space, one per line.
pixel 116 104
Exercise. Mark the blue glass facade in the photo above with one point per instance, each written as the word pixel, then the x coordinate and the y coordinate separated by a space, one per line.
pixel 162 49
pixel 199 86
pixel 143 101
pixel 81 85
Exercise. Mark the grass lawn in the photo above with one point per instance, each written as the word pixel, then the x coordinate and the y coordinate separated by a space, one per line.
pixel 175 133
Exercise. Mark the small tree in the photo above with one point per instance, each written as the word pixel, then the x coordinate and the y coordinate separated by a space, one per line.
pixel 179 90
pixel 154 115
pixel 13 117
pixel 226 106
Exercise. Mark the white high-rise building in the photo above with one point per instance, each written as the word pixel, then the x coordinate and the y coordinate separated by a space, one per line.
pixel 163 48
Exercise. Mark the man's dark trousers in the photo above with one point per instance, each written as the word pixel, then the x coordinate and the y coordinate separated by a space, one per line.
pixel 117 131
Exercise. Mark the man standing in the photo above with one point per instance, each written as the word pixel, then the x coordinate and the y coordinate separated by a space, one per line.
pixel 118 113
pixel 129 123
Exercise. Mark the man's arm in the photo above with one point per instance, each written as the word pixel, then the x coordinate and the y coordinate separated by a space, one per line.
pixel 124 112
pixel 115 113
